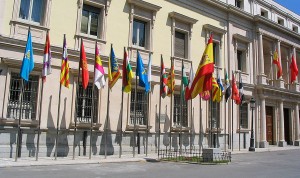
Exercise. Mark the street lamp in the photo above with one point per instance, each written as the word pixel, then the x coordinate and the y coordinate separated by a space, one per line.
pixel 252 106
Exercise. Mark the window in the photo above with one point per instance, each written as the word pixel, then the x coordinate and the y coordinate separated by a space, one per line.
pixel 239 3
pixel 295 28
pixel 140 107
pixel 244 116
pixel 280 21
pixel 214 109
pixel 32 10
pixel 90 20
pixel 180 47
pixel 177 111
pixel 241 60
pixel 216 51
pixel 29 97
pixel 84 104
pixel 264 13
pixel 139 35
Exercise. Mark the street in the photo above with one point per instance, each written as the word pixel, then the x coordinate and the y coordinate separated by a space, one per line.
pixel 259 165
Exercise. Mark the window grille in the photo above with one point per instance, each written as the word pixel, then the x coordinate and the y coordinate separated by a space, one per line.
pixel 84 104
pixel 29 97
pixel 177 111
pixel 180 48
pixel 139 33
pixel 244 116
pixel 141 107
pixel 32 10
pixel 215 111
pixel 90 20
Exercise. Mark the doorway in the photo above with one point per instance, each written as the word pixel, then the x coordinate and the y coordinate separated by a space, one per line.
pixel 269 124
pixel 287 137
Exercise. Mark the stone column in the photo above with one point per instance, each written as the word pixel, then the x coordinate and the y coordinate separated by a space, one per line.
pixel 282 142
pixel 262 79
pixel 279 82
pixel 263 133
pixel 297 141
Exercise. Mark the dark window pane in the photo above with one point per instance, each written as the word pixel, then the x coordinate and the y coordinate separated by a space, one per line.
pixel 240 59
pixel 24 9
pixel 244 116
pixel 37 10
pixel 180 45
pixel 138 34
pixel 84 21
pixel 94 24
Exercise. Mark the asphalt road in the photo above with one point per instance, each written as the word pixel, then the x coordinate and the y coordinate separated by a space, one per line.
pixel 281 164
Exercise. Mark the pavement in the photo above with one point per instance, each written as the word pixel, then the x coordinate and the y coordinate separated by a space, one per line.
pixel 48 161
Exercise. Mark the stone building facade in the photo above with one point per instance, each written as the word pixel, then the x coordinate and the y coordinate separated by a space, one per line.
pixel 246 34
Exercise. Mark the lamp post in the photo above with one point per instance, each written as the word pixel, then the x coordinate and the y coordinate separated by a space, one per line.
pixel 252 105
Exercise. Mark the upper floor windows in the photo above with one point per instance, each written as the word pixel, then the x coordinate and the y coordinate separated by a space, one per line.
pixel 32 10
pixel 90 20
pixel 264 13
pixel 280 21
pixel 139 33
pixel 180 45
pixel 239 4
pixel 241 60
pixel 295 28
pixel 216 51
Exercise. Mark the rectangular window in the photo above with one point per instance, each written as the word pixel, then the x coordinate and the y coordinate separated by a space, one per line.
pixel 244 116
pixel 29 97
pixel 241 60
pixel 32 10
pixel 84 104
pixel 139 33
pixel 180 47
pixel 216 51
pixel 90 20
pixel 214 109
pixel 239 3
pixel 141 106
pixel 264 13
pixel 295 28
pixel 280 21
pixel 177 111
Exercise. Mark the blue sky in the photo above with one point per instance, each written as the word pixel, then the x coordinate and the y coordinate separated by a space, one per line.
pixel 293 5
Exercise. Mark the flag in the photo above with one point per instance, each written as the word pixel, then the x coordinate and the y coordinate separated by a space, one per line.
pixel 235 92
pixel 171 80
pixel 84 67
pixel 203 78
pixel 205 95
pixel 141 72
pixel 215 91
pixel 113 69
pixel 228 87
pixel 99 79
pixel 164 79
pixel 64 72
pixel 187 89
pixel 127 74
pixel 241 90
pixel 294 69
pixel 217 95
pixel 28 61
pixel 185 81
pixel 277 62
pixel 149 72
pixel 47 59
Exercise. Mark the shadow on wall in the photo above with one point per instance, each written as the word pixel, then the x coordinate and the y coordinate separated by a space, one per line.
pixel 13 141
pixel 119 134
pixel 50 136
pixel 166 137
pixel 63 145
pixel 106 140
pixel 30 144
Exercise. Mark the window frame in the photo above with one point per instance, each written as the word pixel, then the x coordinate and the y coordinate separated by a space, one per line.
pixel 143 104
pixel 42 15
pixel 91 9
pixel 186 45
pixel 239 4
pixel 146 35
pixel 266 13
pixel 244 116
pixel 176 121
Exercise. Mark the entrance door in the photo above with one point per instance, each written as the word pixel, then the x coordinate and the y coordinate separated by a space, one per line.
pixel 287 137
pixel 269 122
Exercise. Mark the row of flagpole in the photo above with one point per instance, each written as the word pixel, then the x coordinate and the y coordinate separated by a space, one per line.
pixel 202 84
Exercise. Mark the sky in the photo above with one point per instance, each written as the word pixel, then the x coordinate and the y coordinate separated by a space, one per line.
pixel 293 5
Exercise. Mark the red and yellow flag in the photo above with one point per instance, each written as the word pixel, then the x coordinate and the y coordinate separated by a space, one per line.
pixel 203 78
pixel 277 62
pixel 64 72
pixel 171 80
pixel 84 67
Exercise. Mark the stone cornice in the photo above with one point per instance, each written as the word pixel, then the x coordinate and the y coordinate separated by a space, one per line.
pixel 145 5
pixel 214 29
pixel 182 18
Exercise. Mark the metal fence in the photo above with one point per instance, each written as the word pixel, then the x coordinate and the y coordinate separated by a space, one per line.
pixel 194 156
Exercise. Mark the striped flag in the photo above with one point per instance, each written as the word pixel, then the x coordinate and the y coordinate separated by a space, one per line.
pixel 203 78
pixel 84 67
pixel 127 73
pixel 64 72
pixel 187 89
pixel 113 69
pixel 215 91
pixel 241 90
pixel 99 79
pixel 164 79
pixel 171 80
pixel 47 59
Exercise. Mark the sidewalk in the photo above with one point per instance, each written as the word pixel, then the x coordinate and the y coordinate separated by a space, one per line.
pixel 46 161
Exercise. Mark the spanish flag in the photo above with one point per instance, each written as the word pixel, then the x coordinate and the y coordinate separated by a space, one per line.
pixel 203 78
pixel 277 62
pixel 113 69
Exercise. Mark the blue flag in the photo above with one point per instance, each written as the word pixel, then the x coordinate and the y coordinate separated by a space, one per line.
pixel 141 72
pixel 28 63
